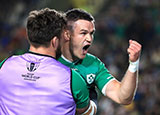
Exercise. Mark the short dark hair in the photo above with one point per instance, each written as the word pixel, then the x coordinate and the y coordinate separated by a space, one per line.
pixel 43 25
pixel 77 14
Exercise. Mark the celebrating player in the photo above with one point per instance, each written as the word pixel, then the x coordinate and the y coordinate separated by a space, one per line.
pixel 78 38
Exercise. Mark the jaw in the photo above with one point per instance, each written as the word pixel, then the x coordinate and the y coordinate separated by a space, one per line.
pixel 82 56
pixel 74 53
pixel 80 53
pixel 71 54
pixel 66 51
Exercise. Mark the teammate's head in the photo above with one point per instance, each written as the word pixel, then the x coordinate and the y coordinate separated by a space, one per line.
pixel 81 28
pixel 44 25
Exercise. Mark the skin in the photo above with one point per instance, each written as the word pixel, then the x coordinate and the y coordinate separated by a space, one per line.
pixel 81 35
pixel 50 50
pixel 75 41
pixel 123 92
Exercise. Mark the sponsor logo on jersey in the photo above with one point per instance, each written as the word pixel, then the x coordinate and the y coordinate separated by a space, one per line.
pixel 31 66
pixel 90 78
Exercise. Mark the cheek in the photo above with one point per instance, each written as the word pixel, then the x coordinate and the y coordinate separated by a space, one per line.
pixel 75 48
pixel 74 42
pixel 76 45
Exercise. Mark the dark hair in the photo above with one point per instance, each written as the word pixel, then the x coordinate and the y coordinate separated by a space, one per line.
pixel 43 25
pixel 77 14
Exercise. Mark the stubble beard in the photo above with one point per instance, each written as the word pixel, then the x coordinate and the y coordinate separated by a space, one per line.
pixel 71 50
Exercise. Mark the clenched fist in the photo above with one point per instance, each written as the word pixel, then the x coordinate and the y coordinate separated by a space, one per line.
pixel 134 50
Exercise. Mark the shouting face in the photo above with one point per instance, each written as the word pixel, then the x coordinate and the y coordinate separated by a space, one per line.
pixel 81 38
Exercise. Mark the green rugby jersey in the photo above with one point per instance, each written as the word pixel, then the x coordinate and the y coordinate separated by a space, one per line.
pixel 91 69
pixel 79 91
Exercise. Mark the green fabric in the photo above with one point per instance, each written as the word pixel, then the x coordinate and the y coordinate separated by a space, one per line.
pixel 80 91
pixel 18 52
pixel 91 69
pixel 2 62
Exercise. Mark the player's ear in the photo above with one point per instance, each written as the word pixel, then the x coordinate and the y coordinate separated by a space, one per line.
pixel 55 42
pixel 67 35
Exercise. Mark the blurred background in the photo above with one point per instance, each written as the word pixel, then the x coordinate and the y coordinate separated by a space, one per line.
pixel 117 21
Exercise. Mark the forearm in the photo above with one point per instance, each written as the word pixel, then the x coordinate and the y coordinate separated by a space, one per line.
pixel 123 92
pixel 130 81
pixel 128 87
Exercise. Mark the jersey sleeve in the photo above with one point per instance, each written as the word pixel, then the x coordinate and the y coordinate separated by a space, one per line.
pixel 103 76
pixel 79 90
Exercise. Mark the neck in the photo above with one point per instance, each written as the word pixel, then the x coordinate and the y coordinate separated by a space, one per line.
pixel 66 51
pixel 43 50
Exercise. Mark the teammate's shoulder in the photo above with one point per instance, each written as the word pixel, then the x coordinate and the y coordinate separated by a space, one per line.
pixel 7 59
pixel 14 55
pixel 61 67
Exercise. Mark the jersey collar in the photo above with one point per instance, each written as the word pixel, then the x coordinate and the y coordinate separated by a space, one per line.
pixel 66 59
pixel 75 63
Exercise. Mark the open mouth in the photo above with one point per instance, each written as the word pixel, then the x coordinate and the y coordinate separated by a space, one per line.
pixel 86 47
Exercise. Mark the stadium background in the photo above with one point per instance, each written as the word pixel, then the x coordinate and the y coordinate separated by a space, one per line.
pixel 116 22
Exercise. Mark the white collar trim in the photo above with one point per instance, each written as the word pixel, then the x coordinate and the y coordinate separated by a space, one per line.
pixel 66 59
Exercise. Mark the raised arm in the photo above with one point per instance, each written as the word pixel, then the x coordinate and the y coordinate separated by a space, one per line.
pixel 123 92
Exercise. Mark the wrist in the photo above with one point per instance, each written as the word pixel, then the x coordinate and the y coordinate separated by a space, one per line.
pixel 133 66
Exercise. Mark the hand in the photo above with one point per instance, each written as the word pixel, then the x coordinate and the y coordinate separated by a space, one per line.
pixel 134 50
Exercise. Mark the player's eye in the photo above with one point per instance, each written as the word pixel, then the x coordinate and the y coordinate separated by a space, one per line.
pixel 92 33
pixel 84 33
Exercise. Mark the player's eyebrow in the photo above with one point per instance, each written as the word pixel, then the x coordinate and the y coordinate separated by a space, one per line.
pixel 84 30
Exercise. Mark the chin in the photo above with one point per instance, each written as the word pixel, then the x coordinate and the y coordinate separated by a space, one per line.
pixel 79 56
pixel 82 56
